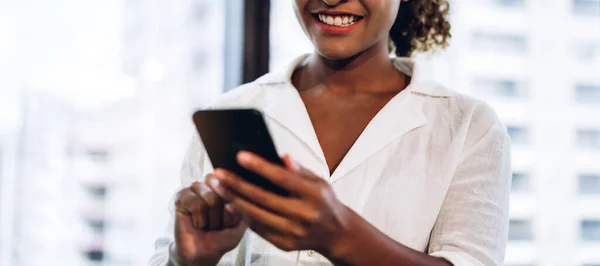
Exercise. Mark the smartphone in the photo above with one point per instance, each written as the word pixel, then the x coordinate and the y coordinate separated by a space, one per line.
pixel 226 132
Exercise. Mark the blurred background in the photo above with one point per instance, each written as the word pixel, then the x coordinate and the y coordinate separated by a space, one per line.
pixel 96 98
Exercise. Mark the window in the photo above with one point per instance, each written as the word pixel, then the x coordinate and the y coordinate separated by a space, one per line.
pixel 587 93
pixel 501 87
pixel 586 8
pixel 518 135
pixel 97 190
pixel 588 138
pixel 510 3
pixel 202 9
pixel 98 155
pixel 521 182
pixel 589 184
pixel 95 255
pixel 503 3
pixel 201 60
pixel 506 43
pixel 590 230
pixel 97 225
pixel 520 230
pixel 586 51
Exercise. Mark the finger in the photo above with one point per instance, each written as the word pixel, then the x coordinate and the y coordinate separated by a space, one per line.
pixel 190 204
pixel 289 163
pixel 257 214
pixel 214 206
pixel 183 225
pixel 285 206
pixel 278 175
pixel 182 200
pixel 230 218
pixel 282 242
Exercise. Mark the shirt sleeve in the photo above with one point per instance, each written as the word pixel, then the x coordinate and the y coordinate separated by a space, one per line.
pixel 194 168
pixel 472 226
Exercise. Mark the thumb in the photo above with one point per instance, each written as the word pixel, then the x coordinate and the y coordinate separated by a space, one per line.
pixel 183 226
pixel 295 166
pixel 289 163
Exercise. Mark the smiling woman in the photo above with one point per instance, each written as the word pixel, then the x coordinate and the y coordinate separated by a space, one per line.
pixel 389 167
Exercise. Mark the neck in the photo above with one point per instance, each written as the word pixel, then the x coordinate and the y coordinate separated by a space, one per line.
pixel 368 71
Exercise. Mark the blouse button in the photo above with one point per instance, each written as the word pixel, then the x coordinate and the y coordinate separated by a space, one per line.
pixel 311 253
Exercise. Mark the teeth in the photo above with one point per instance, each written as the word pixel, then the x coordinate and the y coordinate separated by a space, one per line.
pixel 340 21
pixel 330 20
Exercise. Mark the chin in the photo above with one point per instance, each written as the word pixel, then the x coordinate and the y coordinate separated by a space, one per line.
pixel 338 52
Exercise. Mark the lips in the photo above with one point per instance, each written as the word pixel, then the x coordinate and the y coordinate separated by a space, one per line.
pixel 337 23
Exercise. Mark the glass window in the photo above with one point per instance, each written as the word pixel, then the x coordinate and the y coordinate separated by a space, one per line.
pixel 588 138
pixel 520 230
pixel 99 155
pixel 500 87
pixel 502 3
pixel 97 190
pixel 497 42
pixel 586 51
pixel 510 3
pixel 521 182
pixel 587 93
pixel 586 7
pixel 98 225
pixel 518 135
pixel 589 184
pixel 95 255
pixel 590 230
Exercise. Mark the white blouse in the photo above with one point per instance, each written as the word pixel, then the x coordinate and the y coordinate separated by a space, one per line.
pixel 431 170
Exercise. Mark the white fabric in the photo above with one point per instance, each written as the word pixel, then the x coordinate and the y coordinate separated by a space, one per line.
pixel 431 170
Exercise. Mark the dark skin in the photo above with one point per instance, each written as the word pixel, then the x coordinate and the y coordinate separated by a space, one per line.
pixel 330 104
pixel 345 84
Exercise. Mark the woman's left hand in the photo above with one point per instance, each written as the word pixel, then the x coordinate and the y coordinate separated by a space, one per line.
pixel 310 218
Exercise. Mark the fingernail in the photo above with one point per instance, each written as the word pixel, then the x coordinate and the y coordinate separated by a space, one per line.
pixel 244 156
pixel 214 183
pixel 289 163
pixel 219 173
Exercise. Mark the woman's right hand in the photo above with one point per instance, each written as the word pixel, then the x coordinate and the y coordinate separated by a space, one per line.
pixel 204 228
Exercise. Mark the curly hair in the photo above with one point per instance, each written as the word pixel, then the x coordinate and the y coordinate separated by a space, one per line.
pixel 421 26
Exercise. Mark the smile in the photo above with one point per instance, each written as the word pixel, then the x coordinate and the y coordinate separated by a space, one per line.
pixel 338 20
pixel 337 24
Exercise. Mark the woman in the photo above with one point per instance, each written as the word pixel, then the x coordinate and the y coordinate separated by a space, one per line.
pixel 388 167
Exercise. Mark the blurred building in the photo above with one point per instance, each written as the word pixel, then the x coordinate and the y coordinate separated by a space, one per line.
pixel 9 132
pixel 38 212
pixel 91 187
pixel 175 53
pixel 538 64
